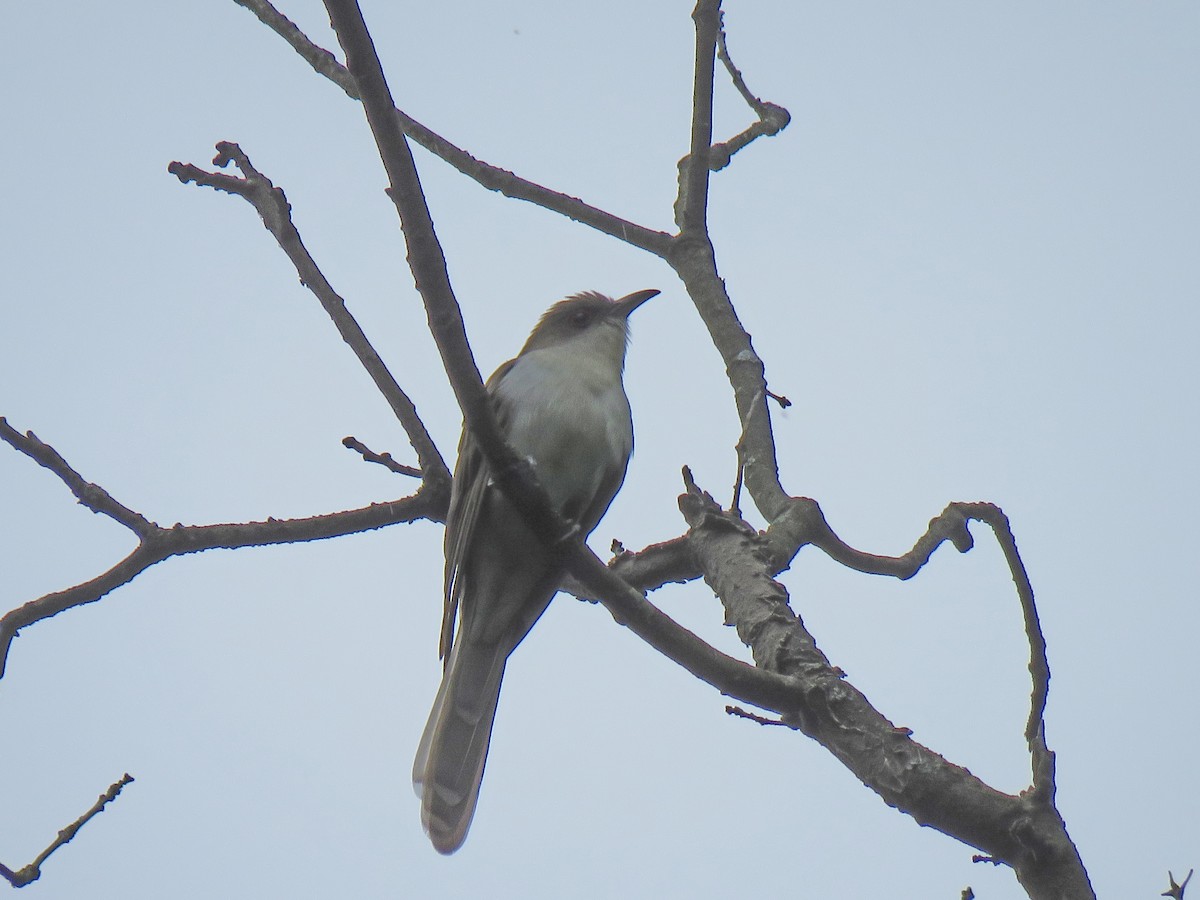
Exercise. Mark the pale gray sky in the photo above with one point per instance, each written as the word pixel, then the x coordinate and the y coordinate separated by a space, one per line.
pixel 971 262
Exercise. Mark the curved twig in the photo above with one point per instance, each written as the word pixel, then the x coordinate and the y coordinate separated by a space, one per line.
pixel 1025 831
pixel 772 118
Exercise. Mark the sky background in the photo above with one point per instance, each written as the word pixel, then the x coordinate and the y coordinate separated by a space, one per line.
pixel 971 262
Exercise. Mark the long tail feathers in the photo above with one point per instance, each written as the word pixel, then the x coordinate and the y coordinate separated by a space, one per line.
pixel 453 750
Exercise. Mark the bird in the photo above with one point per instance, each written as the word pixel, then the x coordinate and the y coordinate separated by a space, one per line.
pixel 560 404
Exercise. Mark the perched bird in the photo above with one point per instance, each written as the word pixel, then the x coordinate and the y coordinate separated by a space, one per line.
pixel 562 405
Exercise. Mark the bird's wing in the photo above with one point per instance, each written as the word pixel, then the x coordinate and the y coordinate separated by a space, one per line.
pixel 471 485
pixel 590 516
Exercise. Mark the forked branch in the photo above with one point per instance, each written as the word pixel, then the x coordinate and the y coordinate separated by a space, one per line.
pixel 156 543
pixel 276 213
pixel 1025 831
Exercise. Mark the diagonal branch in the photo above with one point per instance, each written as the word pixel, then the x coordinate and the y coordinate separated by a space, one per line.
pixel 276 213
pixel 33 871
pixel 94 497
pixel 156 543
pixel 512 475
pixel 491 177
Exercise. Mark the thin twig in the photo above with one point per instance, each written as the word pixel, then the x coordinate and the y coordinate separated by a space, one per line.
pixel 735 505
pixel 1039 666
pixel 383 459
pixel 803 523
pixel 32 872
pixel 90 495
pixel 761 720
pixel 783 401
pixel 772 118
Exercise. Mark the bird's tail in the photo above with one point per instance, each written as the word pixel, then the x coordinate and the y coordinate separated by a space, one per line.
pixel 450 758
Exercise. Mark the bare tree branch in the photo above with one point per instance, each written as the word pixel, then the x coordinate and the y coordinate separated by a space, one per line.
pixel 772 118
pixel 805 524
pixel 156 543
pixel 690 253
pixel 276 213
pixel 1026 832
pixel 694 261
pixel 90 495
pixel 491 177
pixel 33 871
pixel 383 459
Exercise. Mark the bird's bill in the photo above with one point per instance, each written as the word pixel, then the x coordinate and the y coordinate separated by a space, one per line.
pixel 630 302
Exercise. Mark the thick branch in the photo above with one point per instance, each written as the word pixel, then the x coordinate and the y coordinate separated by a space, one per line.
pixel 1026 831
pixel 804 523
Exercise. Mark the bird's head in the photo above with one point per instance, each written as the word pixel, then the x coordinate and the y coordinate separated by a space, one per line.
pixel 587 323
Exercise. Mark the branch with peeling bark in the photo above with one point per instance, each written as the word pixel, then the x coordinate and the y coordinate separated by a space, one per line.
pixel 1025 831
